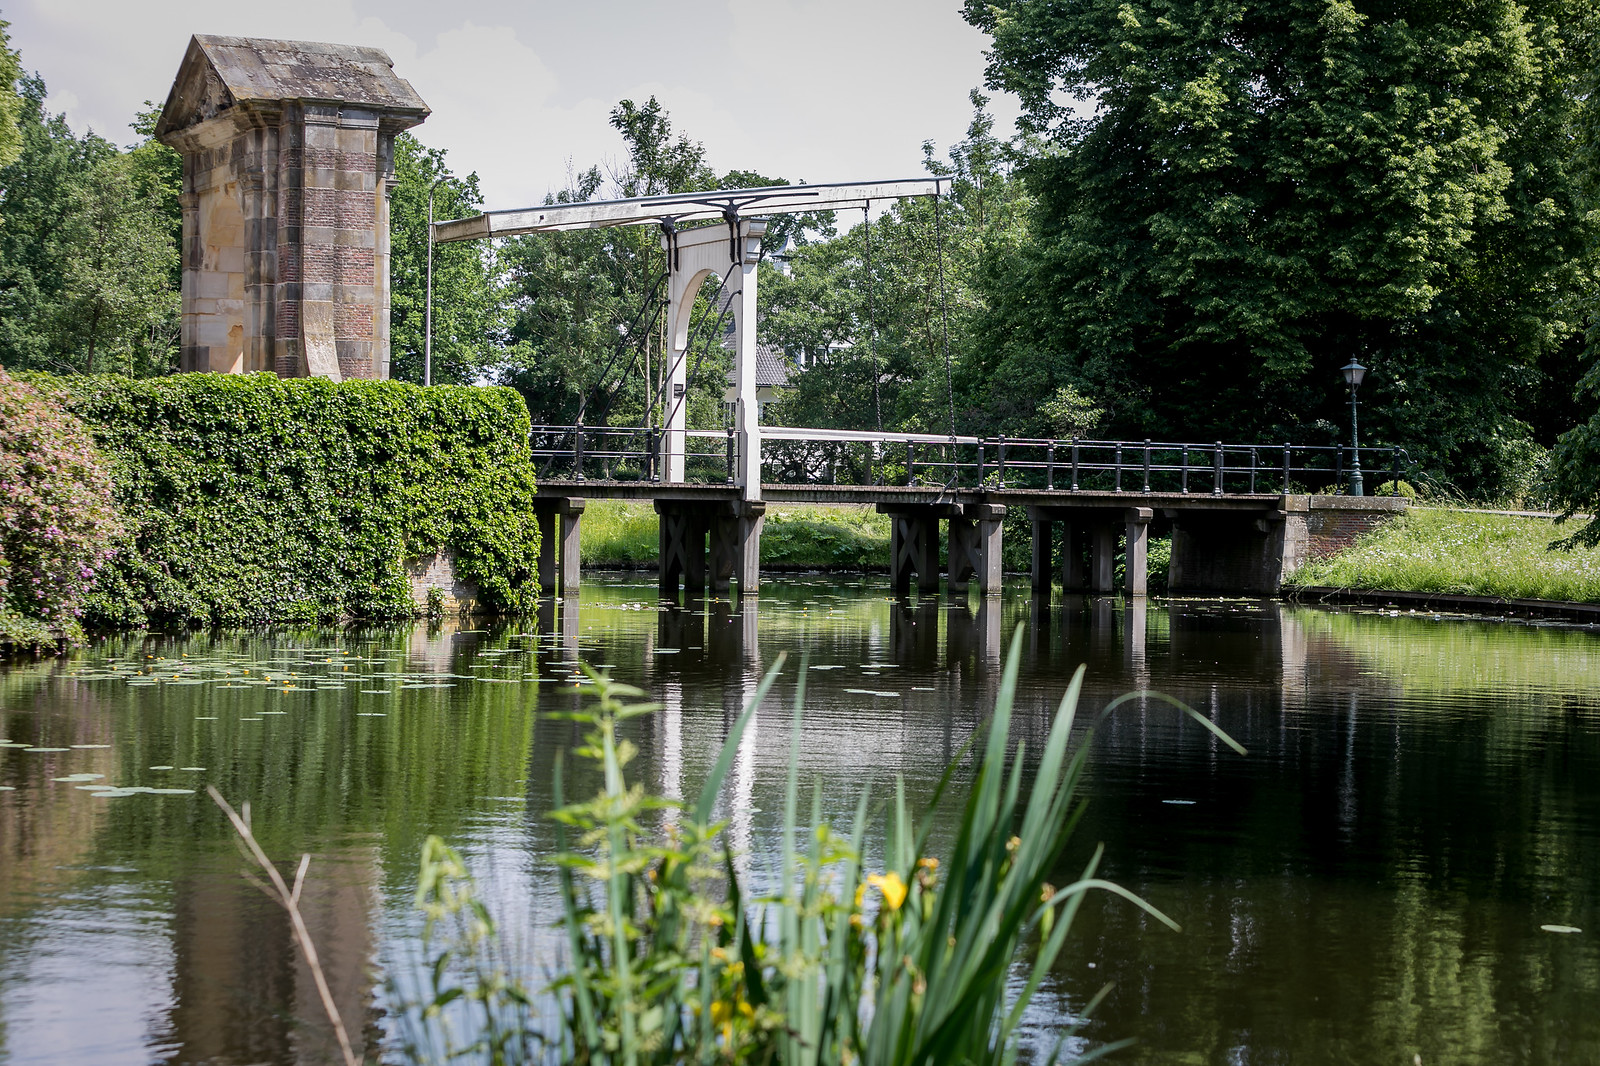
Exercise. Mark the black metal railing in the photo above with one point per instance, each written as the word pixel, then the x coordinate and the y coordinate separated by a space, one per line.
pixel 831 457
pixel 627 453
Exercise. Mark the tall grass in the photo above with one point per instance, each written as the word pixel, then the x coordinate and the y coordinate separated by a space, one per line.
pixel 1463 553
pixel 619 533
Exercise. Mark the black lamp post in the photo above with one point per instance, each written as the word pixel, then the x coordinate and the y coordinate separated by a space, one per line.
pixel 1353 373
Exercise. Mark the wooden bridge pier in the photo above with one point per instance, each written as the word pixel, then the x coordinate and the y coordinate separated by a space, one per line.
pixel 719 540
pixel 972 549
pixel 1095 530
pixel 560 520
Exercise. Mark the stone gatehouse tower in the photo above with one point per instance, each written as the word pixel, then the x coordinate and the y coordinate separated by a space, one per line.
pixel 288 161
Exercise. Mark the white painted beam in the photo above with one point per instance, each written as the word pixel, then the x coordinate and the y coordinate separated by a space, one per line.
pixel 684 207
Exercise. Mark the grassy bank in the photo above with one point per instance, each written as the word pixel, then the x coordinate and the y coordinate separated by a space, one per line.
pixel 1463 553
pixel 616 533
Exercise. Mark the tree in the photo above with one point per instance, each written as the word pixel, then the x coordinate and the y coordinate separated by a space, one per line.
pixel 40 188
pixel 470 323
pixel 1265 189
pixel 10 102
pixel 116 305
pixel 907 321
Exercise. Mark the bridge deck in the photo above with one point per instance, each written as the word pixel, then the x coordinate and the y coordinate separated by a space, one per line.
pixel 912 496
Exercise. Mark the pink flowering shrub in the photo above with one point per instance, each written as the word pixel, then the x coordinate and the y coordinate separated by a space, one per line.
pixel 58 524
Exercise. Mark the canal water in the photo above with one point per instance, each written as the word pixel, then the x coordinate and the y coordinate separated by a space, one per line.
pixel 1384 878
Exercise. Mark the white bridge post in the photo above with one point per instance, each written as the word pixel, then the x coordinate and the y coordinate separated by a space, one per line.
pixel 733 252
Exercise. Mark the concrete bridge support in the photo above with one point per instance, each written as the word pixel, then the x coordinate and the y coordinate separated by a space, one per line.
pixel 560 521
pixel 733 554
pixel 1236 552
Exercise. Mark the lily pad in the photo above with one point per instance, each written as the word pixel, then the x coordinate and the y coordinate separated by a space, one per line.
pixel 8 788
pixel 1561 929
pixel 160 767
pixel 46 749
pixel 89 747
pixel 79 777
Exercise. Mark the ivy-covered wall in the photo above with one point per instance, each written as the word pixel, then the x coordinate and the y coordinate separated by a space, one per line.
pixel 250 499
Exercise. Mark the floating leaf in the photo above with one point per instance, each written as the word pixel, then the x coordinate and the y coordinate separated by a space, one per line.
pixel 160 767
pixel 79 777
pixel 46 749
pixel 1561 929
pixel 88 747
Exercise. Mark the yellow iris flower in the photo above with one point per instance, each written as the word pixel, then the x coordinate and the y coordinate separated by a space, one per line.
pixel 893 889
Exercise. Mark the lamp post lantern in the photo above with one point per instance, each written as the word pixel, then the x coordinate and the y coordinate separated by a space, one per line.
pixel 1353 373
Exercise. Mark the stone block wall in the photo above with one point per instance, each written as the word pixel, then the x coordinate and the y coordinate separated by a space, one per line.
pixel 439 572
pixel 332 281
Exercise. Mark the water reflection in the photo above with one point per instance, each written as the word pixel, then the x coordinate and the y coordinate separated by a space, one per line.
pixel 1367 885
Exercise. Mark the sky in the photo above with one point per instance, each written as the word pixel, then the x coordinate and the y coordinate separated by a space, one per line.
pixel 805 90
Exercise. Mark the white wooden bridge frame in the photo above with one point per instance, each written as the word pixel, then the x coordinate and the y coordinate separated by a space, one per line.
pixel 731 251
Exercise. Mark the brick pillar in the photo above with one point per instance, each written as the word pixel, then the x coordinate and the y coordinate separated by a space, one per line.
pixel 288 162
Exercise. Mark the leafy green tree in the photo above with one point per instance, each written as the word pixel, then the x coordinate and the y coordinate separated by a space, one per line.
pixel 10 102
pixel 1265 189
pixel 117 307
pixel 470 323
pixel 894 301
pixel 157 173
pixel 41 191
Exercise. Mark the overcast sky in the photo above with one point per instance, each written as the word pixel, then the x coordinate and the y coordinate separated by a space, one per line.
pixel 814 90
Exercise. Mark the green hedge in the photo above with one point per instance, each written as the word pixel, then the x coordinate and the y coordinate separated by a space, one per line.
pixel 252 499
